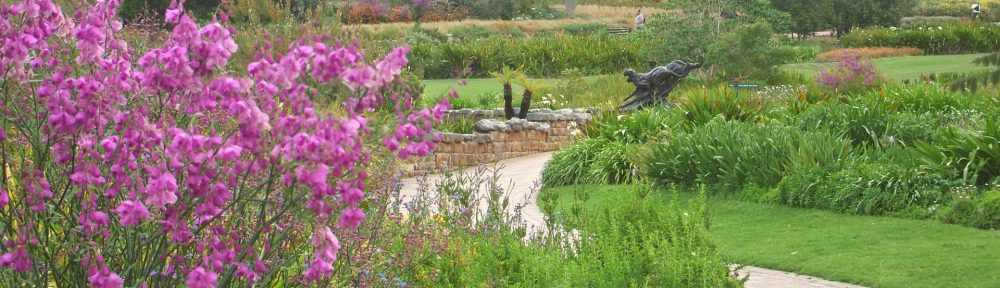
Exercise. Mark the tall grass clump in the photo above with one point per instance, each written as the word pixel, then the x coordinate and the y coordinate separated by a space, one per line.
pixel 703 105
pixel 611 153
pixel 729 155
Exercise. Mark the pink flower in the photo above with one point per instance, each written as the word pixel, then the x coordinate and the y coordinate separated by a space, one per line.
pixel 201 278
pixel 351 218
pixel 18 260
pixel 161 189
pixel 174 11
pixel 4 198
pixel 131 213
pixel 325 247
pixel 104 278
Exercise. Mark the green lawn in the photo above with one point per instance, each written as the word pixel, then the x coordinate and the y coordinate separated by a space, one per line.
pixel 871 251
pixel 902 68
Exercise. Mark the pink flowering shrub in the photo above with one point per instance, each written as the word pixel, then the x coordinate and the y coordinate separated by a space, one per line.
pixel 165 168
pixel 851 74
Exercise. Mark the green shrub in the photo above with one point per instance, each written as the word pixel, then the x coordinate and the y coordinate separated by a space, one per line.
pixel 638 127
pixel 571 165
pixel 461 125
pixel 981 212
pixel 595 54
pixel 729 155
pixel 990 9
pixel 870 120
pixel 748 51
pixel 613 164
pixel 702 105
pixel 628 239
pixel 970 155
pixel 891 182
pixel 582 29
pixel 946 39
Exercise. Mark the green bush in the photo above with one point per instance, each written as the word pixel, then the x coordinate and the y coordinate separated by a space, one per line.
pixel 595 54
pixel 703 105
pixel 639 127
pixel 971 155
pixel 749 52
pixel 870 120
pixel 982 211
pixel 946 39
pixel 864 187
pixel 729 155
pixel 990 9
pixel 571 165
pixel 628 241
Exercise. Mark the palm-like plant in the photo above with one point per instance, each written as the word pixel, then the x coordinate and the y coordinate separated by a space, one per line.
pixel 529 86
pixel 506 75
pixel 973 81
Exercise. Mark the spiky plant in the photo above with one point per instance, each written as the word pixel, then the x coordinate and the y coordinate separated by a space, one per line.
pixel 529 86
pixel 972 82
pixel 506 75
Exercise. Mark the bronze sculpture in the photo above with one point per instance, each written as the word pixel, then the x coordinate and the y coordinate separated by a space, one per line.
pixel 654 86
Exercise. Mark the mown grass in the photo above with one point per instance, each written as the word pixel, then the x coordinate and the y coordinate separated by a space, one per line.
pixel 871 251
pixel 903 68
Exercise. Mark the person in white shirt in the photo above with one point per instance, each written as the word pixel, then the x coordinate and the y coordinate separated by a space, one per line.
pixel 639 20
pixel 975 10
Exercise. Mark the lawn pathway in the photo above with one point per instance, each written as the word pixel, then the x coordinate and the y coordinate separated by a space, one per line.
pixel 524 172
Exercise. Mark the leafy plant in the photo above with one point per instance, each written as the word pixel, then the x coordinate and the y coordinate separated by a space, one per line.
pixel 728 155
pixel 703 105
pixel 748 52
pixel 970 155
pixel 506 75
pixel 972 82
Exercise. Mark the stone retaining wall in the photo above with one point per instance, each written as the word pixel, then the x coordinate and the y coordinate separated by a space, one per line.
pixel 493 140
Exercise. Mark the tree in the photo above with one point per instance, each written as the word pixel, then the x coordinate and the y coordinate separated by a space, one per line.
pixel 863 13
pixel 506 75
pixel 747 51
pixel 808 16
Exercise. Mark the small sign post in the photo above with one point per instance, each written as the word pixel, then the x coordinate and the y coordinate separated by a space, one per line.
pixel 737 85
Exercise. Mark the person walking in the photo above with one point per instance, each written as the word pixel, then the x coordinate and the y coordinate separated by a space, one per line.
pixel 975 10
pixel 639 19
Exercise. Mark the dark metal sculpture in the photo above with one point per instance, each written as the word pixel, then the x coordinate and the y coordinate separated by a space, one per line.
pixel 653 87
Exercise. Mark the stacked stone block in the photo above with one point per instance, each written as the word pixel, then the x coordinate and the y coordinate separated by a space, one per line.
pixel 493 140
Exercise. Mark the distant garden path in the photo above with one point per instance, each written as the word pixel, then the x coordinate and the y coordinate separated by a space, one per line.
pixel 523 173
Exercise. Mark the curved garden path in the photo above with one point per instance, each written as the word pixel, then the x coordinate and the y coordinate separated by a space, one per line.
pixel 523 175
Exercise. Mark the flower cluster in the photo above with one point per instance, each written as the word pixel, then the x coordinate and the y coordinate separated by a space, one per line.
pixel 170 165
pixel 850 73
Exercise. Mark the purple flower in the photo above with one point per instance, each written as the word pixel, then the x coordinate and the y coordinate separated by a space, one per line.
pixel 104 278
pixel 161 189
pixel 174 11
pixel 18 260
pixel 201 278
pixel 131 213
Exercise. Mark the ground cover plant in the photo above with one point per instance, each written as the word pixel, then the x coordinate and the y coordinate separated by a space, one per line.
pixel 165 168
pixel 865 250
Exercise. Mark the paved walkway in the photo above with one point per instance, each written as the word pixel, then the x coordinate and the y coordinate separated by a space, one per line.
pixel 523 173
